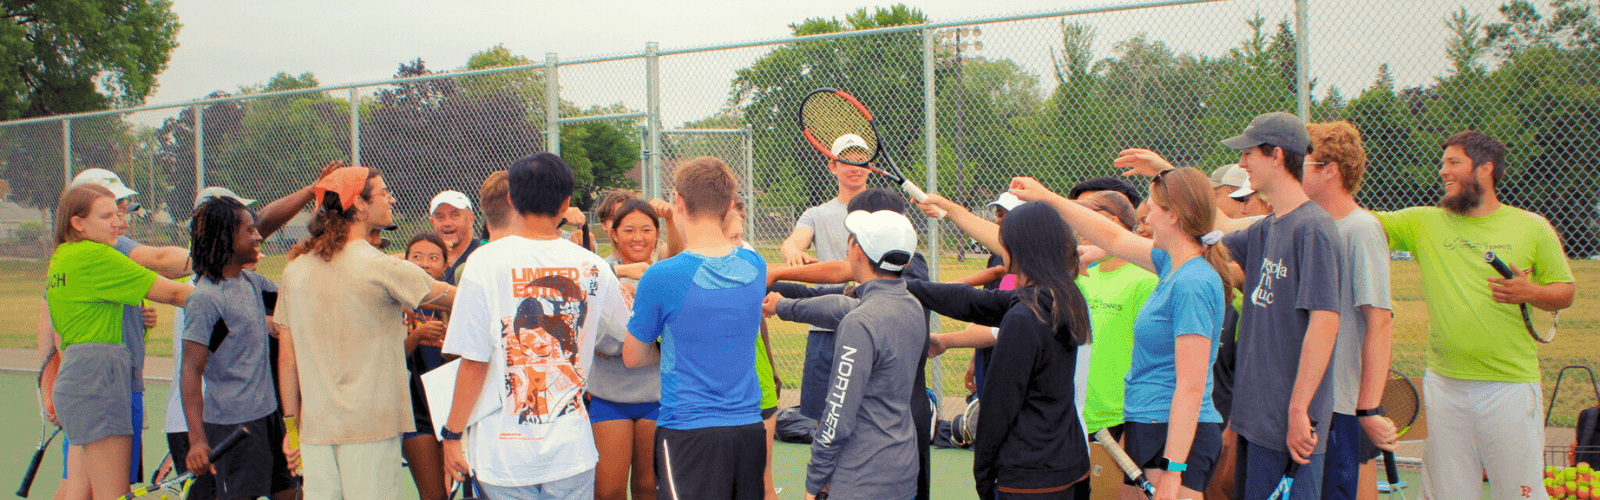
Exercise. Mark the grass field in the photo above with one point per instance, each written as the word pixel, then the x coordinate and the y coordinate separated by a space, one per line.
pixel 22 285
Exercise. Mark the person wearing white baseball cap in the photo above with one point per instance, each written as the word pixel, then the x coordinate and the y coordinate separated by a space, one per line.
pixel 220 192
pixel 877 350
pixel 1252 205
pixel 452 217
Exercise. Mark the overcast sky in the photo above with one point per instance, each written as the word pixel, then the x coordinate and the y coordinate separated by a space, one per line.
pixel 228 43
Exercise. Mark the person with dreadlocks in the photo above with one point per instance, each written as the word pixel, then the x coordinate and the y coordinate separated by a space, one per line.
pixel 342 301
pixel 225 326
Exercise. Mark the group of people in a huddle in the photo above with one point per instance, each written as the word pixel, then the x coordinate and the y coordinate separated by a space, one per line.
pixel 1219 328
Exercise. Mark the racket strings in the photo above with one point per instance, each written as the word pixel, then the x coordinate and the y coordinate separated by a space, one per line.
pixel 829 116
pixel 1400 401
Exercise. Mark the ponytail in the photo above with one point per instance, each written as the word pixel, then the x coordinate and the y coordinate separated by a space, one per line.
pixel 1219 257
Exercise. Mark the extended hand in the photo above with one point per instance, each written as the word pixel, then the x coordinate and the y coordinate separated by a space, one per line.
pixel 330 167
pixel 1141 162
pixel 150 316
pixel 934 205
pixel 936 345
pixel 799 259
pixel 1029 189
pixel 769 305
pixel 662 208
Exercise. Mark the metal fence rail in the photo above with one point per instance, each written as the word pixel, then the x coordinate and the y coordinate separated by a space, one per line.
pixel 964 105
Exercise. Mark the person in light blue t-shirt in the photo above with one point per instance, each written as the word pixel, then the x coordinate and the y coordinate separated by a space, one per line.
pixel 704 307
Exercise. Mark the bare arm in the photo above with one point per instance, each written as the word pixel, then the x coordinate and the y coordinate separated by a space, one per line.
pixel 794 248
pixel 170 262
pixel 195 356
pixel 984 277
pixel 1193 355
pixel 974 336
pixel 439 298
pixel 675 244
pixel 986 232
pixel 46 337
pixel 1375 357
pixel 636 354
pixel 1100 231
pixel 169 292
pixel 469 383
pixel 830 272
pixel 275 215
pixel 288 387
pixel 1315 352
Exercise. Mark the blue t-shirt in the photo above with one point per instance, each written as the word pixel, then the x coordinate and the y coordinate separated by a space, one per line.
pixel 706 311
pixel 1187 301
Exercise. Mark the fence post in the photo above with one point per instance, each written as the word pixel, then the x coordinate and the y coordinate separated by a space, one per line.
pixel 1302 95
pixel 652 82
pixel 355 129
pixel 552 104
pixel 930 135
pixel 66 154
pixel 749 180
pixel 199 147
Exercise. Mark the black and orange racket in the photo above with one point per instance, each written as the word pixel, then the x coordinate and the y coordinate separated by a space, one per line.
pixel 841 128
pixel 47 383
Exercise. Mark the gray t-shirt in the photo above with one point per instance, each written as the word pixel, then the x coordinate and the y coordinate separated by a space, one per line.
pixel 609 379
pixel 1291 267
pixel 133 324
pixel 238 375
pixel 1363 281
pixel 826 222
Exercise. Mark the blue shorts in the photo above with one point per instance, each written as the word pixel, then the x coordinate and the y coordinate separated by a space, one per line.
pixel 138 442
pixel 601 410
pixel 1348 448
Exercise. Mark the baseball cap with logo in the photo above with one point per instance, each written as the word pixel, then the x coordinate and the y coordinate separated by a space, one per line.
pixel 219 192
pixel 105 178
pixel 1007 201
pixel 347 182
pixel 885 236
pixel 453 198
pixel 847 141
pixel 1276 128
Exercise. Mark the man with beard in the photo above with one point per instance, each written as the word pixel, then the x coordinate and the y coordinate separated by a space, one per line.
pixel 1482 384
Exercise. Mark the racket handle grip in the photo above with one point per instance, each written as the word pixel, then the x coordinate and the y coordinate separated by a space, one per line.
pixel 228 443
pixel 1390 468
pixel 920 196
pixel 27 478
pixel 1498 265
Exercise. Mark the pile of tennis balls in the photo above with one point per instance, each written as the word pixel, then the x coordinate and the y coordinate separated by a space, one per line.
pixel 1568 483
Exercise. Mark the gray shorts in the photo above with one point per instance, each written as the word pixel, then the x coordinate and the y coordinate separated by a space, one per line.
pixel 93 392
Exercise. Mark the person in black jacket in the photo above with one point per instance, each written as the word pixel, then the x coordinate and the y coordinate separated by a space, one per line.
pixel 1030 442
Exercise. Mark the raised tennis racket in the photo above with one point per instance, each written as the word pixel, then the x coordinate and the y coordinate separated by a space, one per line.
pixel 1527 315
pixel 833 120
pixel 177 488
pixel 1125 463
pixel 1401 404
pixel 46 384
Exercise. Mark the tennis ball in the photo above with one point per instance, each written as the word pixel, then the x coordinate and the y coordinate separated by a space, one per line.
pixel 1583 468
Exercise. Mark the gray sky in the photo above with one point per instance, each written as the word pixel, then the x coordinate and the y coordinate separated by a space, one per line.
pixel 226 44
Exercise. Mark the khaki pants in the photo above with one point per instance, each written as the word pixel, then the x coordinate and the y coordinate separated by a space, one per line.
pixel 362 471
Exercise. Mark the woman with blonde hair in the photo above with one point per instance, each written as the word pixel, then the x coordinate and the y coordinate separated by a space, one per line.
pixel 89 283
pixel 1172 431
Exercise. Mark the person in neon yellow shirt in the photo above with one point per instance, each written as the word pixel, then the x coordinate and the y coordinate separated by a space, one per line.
pixel 89 283
pixel 1482 386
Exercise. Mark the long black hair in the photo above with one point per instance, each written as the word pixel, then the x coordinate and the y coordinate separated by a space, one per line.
pixel 1044 250
pixel 211 235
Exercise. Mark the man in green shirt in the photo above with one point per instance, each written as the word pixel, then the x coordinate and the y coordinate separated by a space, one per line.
pixel 1482 386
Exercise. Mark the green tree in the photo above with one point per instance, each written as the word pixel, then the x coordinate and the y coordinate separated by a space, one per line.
pixel 68 56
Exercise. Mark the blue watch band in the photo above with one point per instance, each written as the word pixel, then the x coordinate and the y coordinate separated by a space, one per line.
pixel 1176 466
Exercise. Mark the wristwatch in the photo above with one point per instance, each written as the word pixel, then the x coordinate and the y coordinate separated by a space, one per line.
pixel 447 434
pixel 1168 464
pixel 1374 412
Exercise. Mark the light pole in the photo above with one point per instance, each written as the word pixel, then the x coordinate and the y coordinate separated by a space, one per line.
pixel 956 42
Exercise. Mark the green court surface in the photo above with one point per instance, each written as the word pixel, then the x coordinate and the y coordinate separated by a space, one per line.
pixel 20 413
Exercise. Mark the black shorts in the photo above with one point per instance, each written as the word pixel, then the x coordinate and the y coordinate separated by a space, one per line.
pixel 1146 443
pixel 256 467
pixel 711 463
pixel 767 413
pixel 203 487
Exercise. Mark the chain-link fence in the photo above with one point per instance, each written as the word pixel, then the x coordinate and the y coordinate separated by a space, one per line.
pixel 962 107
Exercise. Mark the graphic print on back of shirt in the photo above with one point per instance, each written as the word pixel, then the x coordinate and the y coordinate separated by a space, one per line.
pixel 543 374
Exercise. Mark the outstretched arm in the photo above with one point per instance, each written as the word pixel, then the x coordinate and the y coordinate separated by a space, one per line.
pixel 275 215
pixel 987 233
pixel 1100 231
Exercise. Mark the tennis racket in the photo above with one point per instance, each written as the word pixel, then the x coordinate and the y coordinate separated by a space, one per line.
pixel 46 384
pixel 1401 404
pixel 833 119
pixel 177 488
pixel 1125 463
pixel 1527 318
pixel 964 427
pixel 1286 483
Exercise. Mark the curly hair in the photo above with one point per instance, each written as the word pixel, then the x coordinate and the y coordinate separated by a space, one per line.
pixel 212 234
pixel 330 224
pixel 1339 142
